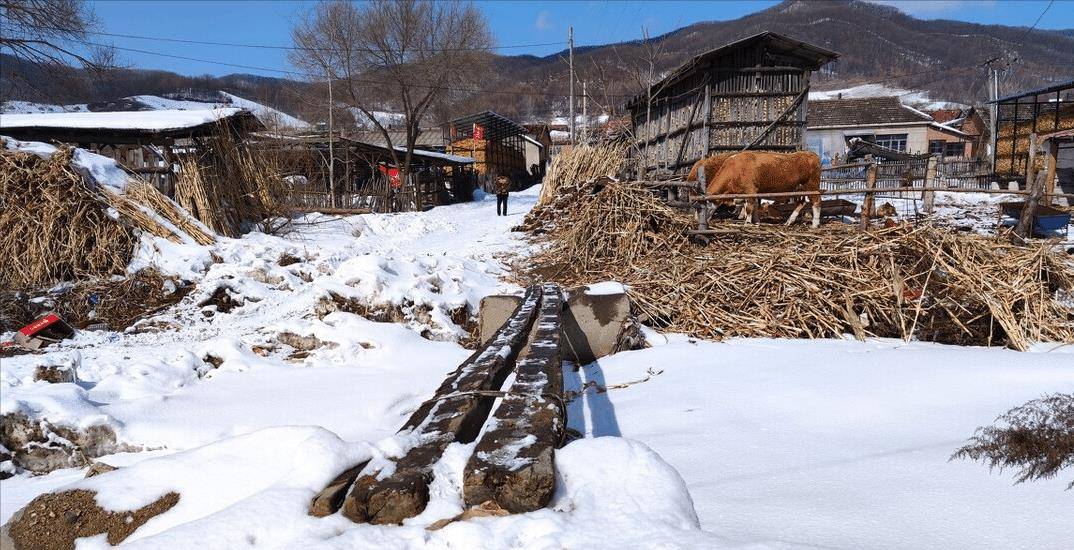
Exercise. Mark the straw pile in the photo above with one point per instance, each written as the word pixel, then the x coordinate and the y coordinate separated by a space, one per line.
pixel 772 281
pixel 579 164
pixel 52 226
pixel 231 185
pixel 55 223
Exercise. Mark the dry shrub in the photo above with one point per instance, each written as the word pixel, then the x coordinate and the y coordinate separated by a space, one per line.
pixel 53 226
pixel 775 281
pixel 1037 438
pixel 233 184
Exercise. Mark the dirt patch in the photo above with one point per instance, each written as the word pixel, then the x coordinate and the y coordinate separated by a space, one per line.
pixel 222 300
pixel 287 259
pixel 53 521
pixel 470 324
pixel 406 313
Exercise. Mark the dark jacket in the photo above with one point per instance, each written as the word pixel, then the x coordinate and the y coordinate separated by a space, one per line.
pixel 503 185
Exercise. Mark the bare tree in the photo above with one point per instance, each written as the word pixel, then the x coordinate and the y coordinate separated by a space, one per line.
pixel 50 34
pixel 411 54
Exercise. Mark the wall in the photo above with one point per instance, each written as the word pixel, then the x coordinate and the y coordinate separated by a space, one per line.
pixel 832 141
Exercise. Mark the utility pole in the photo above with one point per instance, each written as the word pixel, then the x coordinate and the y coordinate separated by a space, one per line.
pixel 570 62
pixel 585 114
pixel 331 150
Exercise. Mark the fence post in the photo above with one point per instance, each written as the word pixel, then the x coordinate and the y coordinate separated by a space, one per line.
pixel 703 209
pixel 929 196
pixel 867 204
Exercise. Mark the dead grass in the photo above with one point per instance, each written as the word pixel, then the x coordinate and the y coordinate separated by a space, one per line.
pixel 1037 438
pixel 53 226
pixel 771 281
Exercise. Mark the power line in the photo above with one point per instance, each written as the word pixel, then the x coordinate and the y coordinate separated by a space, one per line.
pixel 300 74
pixel 1035 23
pixel 281 47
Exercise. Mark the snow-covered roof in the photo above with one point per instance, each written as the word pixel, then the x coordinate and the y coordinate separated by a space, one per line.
pixel 433 154
pixel 127 120
pixel 532 140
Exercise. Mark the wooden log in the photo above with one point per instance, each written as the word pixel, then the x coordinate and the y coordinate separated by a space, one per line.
pixel 867 204
pixel 453 414
pixel 1049 167
pixel 1024 228
pixel 512 464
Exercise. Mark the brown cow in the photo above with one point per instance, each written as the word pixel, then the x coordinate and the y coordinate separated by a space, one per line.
pixel 752 172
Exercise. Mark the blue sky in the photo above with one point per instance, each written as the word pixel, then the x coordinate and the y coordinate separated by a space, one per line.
pixel 514 23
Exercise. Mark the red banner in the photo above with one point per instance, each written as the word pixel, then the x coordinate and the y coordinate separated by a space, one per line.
pixel 393 175
pixel 479 131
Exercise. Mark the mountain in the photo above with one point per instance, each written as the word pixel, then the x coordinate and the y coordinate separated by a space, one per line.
pixel 875 43
pixel 941 59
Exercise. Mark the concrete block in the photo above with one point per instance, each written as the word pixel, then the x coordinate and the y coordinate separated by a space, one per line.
pixel 594 320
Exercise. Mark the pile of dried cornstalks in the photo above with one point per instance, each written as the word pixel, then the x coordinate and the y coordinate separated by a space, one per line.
pixel 773 281
pixel 55 223
pixel 580 163
pixel 231 185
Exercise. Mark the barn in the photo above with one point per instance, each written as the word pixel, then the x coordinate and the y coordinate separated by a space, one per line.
pixel 752 93
pixel 494 141
pixel 1046 116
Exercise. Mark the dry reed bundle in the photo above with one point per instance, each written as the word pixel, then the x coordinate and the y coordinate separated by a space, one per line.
pixel 148 196
pixel 53 226
pixel 772 281
pixel 578 164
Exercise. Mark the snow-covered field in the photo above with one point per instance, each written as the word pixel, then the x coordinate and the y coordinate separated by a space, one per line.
pixel 745 443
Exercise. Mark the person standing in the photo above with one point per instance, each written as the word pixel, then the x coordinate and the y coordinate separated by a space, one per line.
pixel 503 187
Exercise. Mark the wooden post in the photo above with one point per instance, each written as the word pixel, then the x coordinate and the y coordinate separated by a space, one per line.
pixel 929 197
pixel 1049 173
pixel 1024 229
pixel 1031 170
pixel 703 210
pixel 867 204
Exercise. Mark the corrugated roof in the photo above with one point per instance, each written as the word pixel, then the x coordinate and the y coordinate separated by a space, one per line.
pixel 427 138
pixel 868 111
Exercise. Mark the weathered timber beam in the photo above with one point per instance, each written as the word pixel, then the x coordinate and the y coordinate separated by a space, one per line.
pixel 512 464
pixel 452 414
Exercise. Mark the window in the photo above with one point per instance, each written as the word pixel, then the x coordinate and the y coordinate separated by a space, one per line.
pixel 955 149
pixel 891 141
pixel 947 148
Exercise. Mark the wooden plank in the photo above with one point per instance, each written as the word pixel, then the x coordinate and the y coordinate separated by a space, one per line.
pixel 383 496
pixel 512 464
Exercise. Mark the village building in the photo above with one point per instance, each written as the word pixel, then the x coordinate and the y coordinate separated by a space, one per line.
pixel 496 144
pixel 752 94
pixel 1046 116
pixel 147 143
pixel 833 124
pixel 429 139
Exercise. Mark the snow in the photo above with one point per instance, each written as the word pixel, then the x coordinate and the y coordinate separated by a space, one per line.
pixel 266 114
pixel 747 443
pixel 433 154
pixel 605 287
pixel 120 120
pixel 102 169
pixel 911 98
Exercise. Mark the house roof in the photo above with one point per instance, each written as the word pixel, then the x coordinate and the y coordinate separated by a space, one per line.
pixel 121 126
pixel 814 57
pixel 944 116
pixel 868 111
pixel 496 126
pixel 427 138
pixel 320 140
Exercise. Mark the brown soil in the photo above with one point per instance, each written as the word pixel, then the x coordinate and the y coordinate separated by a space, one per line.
pixel 53 521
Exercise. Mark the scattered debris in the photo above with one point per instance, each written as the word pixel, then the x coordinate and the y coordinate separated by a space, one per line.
pixel 48 329
pixel 63 373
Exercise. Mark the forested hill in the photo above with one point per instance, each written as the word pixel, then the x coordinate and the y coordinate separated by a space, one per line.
pixel 875 43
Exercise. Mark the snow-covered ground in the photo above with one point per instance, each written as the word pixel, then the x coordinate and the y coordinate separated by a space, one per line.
pixel 745 443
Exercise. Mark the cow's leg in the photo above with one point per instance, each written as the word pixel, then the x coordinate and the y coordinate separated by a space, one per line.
pixel 755 207
pixel 816 210
pixel 794 215
pixel 740 209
